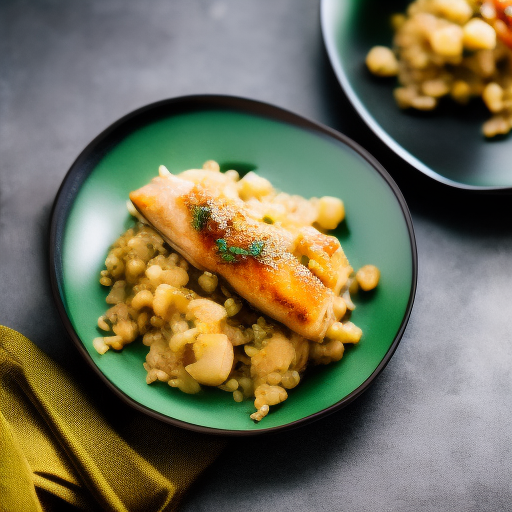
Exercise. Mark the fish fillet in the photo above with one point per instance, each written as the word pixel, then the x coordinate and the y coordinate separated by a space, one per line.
pixel 219 234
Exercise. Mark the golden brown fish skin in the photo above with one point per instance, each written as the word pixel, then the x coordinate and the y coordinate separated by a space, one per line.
pixel 215 234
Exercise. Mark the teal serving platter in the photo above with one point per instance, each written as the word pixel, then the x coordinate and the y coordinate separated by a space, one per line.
pixel 298 156
pixel 446 144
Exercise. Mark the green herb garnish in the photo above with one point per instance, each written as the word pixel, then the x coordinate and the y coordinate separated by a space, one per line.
pixel 222 244
pixel 255 248
pixel 229 253
pixel 268 220
pixel 238 250
pixel 227 257
pixel 200 216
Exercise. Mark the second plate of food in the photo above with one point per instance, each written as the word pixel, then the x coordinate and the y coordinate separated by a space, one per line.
pixel 298 157
pixel 446 143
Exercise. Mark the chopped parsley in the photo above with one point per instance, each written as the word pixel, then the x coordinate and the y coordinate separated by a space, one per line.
pixel 239 250
pixel 222 244
pixel 229 253
pixel 200 216
pixel 255 248
pixel 227 257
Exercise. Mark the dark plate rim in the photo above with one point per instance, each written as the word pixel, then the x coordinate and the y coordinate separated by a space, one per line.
pixel 82 167
pixel 366 116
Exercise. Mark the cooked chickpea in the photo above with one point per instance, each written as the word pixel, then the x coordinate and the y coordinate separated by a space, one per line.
pixel 238 396
pixel 116 342
pixel 404 96
pixel 246 385
pixel 461 91
pixel 211 165
pixel 327 352
pixel 435 88
pixel 493 97
pixel 176 277
pixel 143 322
pixel 339 307
pixel 151 337
pixel 453 47
pixel 126 329
pixel 208 282
pixel 424 103
pixel 156 321
pixel 290 379
pixel 180 339
pixel 233 306
pixel 106 281
pixel 381 61
pixel 274 378
pixel 346 332
pixel 497 125
pixel 134 268
pixel 367 277
pixel 250 350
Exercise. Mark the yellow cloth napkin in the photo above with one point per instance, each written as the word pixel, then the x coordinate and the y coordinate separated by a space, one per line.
pixel 55 444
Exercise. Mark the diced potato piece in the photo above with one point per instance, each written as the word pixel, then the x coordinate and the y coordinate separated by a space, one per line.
pixel 447 41
pixel 252 185
pixel 479 35
pixel 346 333
pixel 331 211
pixel 214 359
pixel 458 11
pixel 100 345
pixel 206 311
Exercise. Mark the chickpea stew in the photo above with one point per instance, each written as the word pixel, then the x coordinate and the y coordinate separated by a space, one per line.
pixel 199 331
pixel 457 49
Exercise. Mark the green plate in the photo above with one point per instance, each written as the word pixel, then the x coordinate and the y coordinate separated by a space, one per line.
pixel 445 144
pixel 299 157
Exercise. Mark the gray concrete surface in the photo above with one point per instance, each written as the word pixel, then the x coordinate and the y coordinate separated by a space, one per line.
pixel 434 433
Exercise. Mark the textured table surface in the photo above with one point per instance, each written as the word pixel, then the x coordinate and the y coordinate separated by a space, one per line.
pixel 434 432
